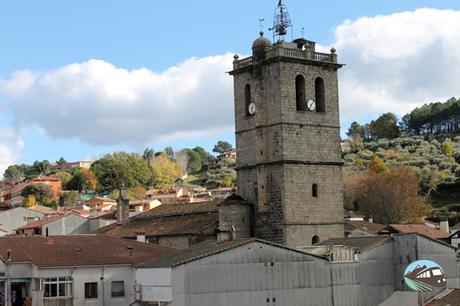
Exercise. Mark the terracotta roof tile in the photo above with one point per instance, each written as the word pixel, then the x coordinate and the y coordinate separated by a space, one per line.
pixel 419 229
pixel 203 223
pixel 372 228
pixel 79 250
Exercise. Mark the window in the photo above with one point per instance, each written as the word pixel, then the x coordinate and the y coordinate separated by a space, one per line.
pixel 315 239
pixel 57 287
pixel 436 272
pixel 90 290
pixel 314 190
pixel 247 98
pixel 319 95
pixel 301 102
pixel 118 288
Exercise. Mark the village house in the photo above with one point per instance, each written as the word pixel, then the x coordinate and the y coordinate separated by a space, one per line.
pixel 362 228
pixel 227 156
pixel 14 218
pixel 183 225
pixel 61 224
pixel 53 182
pixel 167 196
pixel 76 270
pixel 71 165
pixel 421 229
pixel 138 206
pixel 11 196
pixel 99 204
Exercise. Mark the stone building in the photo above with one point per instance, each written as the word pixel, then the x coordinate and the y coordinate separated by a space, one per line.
pixel 288 141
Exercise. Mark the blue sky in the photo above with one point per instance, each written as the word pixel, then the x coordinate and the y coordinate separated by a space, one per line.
pixel 43 38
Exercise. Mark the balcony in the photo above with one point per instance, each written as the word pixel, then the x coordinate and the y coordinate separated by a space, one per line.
pixel 280 51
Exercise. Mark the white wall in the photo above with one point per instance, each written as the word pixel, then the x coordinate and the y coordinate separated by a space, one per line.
pixel 14 218
pixel 80 276
pixel 155 284
pixel 68 225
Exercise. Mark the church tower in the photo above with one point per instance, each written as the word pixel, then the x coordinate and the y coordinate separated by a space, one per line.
pixel 288 138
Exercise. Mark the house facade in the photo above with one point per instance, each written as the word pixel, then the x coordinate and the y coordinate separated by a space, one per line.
pixel 73 270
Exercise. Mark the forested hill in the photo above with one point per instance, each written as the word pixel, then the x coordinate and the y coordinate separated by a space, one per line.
pixel 433 118
pixel 440 118
pixel 426 140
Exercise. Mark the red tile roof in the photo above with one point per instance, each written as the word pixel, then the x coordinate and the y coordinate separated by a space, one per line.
pixel 79 250
pixel 419 229
pixel 168 220
pixel 40 223
pixel 372 228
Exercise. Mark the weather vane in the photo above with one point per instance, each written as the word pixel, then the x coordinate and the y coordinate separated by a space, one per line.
pixel 261 24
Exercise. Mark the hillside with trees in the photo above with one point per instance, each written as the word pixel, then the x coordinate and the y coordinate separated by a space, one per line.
pixel 426 142
pixel 161 170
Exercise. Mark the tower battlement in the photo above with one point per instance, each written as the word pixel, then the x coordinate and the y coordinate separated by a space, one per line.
pixel 299 49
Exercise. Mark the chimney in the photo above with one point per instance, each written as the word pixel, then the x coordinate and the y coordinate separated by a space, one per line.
pixel 444 226
pixel 122 206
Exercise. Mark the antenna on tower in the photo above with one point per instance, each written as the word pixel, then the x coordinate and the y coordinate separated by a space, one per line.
pixel 281 22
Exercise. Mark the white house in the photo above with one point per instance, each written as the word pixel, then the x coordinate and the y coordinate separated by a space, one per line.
pixel 72 270
pixel 16 217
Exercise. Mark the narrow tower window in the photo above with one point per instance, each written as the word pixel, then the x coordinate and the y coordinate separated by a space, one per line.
pixel 300 93
pixel 247 98
pixel 319 95
pixel 314 190
pixel 315 239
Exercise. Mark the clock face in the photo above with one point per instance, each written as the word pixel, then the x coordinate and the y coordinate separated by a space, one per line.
pixel 252 109
pixel 311 105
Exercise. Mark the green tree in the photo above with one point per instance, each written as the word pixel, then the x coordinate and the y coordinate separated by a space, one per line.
pixel 222 147
pixel 134 193
pixel 356 130
pixel 148 155
pixel 69 198
pixel 169 152
pixel 165 172
pixel 189 160
pixel 64 176
pixel 43 193
pixel 227 181
pixel 205 157
pixel 61 161
pixel 41 167
pixel 15 173
pixel 118 168
pixel 386 126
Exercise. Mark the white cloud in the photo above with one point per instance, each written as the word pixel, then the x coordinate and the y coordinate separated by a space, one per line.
pixel 394 63
pixel 10 145
pixel 399 61
pixel 106 105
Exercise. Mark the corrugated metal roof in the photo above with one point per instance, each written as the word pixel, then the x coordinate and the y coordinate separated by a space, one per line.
pixel 207 249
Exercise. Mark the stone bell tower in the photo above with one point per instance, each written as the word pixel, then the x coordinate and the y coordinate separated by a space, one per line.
pixel 288 139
